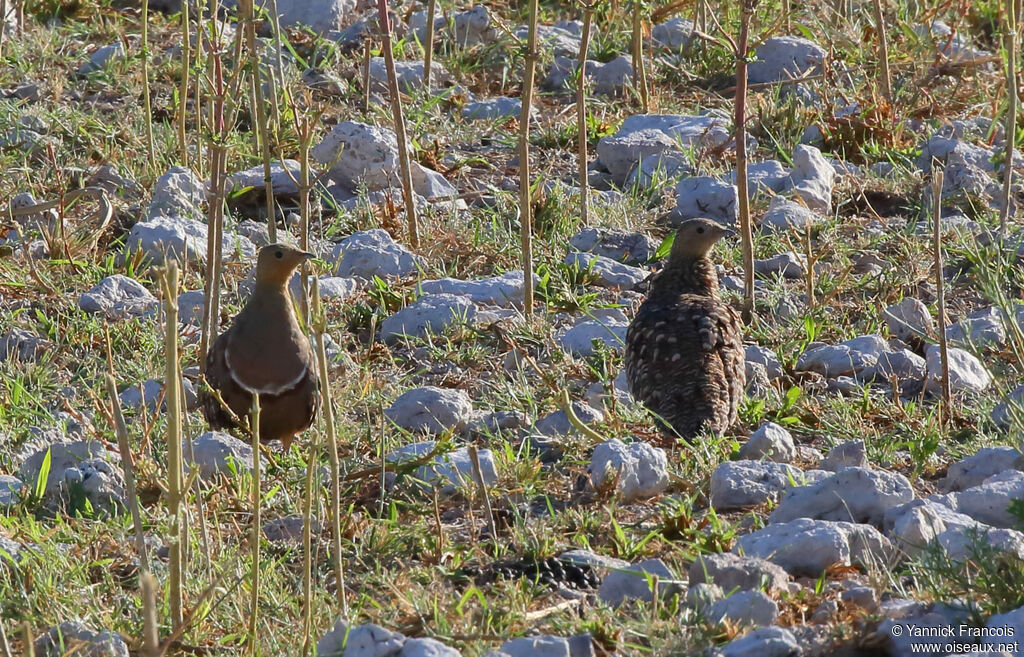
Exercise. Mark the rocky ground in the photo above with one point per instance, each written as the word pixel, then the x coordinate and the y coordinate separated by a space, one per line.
pixel 846 513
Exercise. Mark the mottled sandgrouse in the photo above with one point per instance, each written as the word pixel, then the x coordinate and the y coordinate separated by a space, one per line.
pixel 265 352
pixel 684 349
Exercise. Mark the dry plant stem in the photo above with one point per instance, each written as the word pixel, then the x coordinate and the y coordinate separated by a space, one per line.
pixel 175 470
pixel 26 637
pixel 5 646
pixel 3 21
pixel 525 205
pixel 639 73
pixel 743 194
pixel 581 115
pixel 278 78
pixel 306 134
pixel 940 289
pixel 1010 16
pixel 223 108
pixel 307 547
pixel 254 600
pixel 396 109
pixel 121 430
pixel 186 63
pixel 474 458
pixel 367 51
pixel 146 99
pixel 883 53
pixel 428 47
pixel 150 628
pixel 808 252
pixel 248 20
pixel 332 448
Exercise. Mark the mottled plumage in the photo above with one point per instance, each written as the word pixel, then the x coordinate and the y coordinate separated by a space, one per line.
pixel 684 349
pixel 265 351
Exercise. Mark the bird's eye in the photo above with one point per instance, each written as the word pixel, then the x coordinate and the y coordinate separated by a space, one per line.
pixel 279 254
pixel 700 230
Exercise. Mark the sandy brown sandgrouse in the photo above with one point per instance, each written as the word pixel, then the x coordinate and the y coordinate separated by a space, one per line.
pixel 265 352
pixel 685 359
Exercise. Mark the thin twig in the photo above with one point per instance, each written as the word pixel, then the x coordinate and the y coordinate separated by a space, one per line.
pixel 940 288
pixel 525 197
pixel 581 115
pixel 405 165
pixel 121 431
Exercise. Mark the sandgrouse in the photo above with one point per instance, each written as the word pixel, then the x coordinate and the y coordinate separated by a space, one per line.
pixel 265 352
pixel 684 349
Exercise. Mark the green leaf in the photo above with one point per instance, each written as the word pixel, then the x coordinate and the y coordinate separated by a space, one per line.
pixel 44 475
pixel 665 247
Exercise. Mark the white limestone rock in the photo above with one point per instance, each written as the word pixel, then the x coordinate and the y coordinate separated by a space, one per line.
pixel 608 273
pixel 578 340
pixel 770 442
pixel 430 314
pixel 640 470
pixel 215 453
pixel 431 410
pixel 857 495
pixel 118 297
pixel 806 547
pixel 967 375
pixel 704 196
pixel 785 58
pixel 632 583
pixel 739 484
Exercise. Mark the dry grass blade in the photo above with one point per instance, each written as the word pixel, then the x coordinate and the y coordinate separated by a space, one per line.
pixel 940 288
pixel 525 197
pixel 175 465
pixel 257 527
pixel 384 19
pixel 319 326
pixel 128 467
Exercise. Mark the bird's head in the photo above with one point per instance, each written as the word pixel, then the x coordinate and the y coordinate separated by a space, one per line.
pixel 695 238
pixel 276 263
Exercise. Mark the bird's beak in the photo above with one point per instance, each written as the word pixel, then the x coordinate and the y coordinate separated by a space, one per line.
pixel 729 232
pixel 306 255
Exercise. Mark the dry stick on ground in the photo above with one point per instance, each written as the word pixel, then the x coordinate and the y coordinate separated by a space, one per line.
pixel 146 98
pixel 175 471
pixel 248 20
pixel 150 628
pixel 186 63
pixel 1010 48
pixel 525 205
pixel 312 459
pixel 883 53
pixel 3 22
pixel 5 646
pixel 396 109
pixel 639 72
pixel 739 49
pixel 121 430
pixel 26 638
pixel 581 114
pixel 320 328
pixel 254 600
pixel 940 288
pixel 224 107
pixel 808 251
pixel 367 51
pixel 428 47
